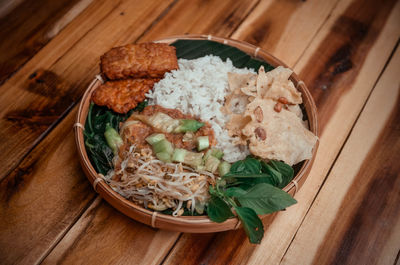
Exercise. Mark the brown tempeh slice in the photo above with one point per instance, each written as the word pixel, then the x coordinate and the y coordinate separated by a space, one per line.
pixel 145 60
pixel 122 95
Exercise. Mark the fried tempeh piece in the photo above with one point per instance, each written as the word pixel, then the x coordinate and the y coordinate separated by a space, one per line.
pixel 150 60
pixel 122 95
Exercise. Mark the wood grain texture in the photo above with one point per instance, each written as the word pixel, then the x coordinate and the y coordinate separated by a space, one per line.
pixel 52 82
pixel 45 200
pixel 356 217
pixel 218 18
pixel 41 198
pixel 92 238
pixel 334 134
pixel 280 233
pixel 24 34
pixel 284 28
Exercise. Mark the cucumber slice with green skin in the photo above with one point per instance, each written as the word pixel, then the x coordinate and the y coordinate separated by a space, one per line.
pixel 187 125
pixel 163 146
pixel 113 139
pixel 202 143
pixel 155 138
pixel 164 156
pixel 223 168
pixel 179 155
pixel 212 164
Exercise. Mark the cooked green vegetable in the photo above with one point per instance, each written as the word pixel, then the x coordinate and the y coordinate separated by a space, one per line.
pixel 113 139
pixel 187 125
pixel 155 138
pixel 100 154
pixel 179 155
pixel 202 142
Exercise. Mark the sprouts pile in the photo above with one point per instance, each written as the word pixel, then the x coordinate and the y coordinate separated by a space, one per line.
pixel 157 185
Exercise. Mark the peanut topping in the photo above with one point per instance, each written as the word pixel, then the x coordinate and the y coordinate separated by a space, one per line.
pixel 258 113
pixel 283 100
pixel 260 134
pixel 278 107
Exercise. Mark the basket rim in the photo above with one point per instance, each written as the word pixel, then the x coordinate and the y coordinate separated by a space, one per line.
pixel 108 193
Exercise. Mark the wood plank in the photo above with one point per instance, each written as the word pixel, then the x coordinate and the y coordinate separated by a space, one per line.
pixel 24 34
pixel 356 216
pixel 53 81
pixel 285 28
pixel 336 130
pixel 137 243
pixel 41 198
pixel 26 235
pixel 371 54
pixel 201 18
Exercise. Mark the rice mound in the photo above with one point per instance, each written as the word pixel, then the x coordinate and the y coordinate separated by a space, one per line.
pixel 199 88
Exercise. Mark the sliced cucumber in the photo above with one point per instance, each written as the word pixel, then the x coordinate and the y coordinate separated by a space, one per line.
pixel 223 168
pixel 163 146
pixel 202 143
pixel 179 155
pixel 155 138
pixel 212 164
pixel 164 156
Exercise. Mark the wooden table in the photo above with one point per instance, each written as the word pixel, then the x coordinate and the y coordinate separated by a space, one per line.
pixel 346 51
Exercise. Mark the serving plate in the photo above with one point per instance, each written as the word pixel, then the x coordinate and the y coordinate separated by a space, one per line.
pixel 190 224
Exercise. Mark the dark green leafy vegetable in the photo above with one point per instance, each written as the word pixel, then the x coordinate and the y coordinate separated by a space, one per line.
pixel 247 166
pixel 100 154
pixel 251 187
pixel 283 168
pixel 113 139
pixel 218 210
pixel 264 198
pixel 192 49
pixel 251 223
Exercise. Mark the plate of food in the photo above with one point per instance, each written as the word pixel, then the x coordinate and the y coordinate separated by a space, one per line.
pixel 196 134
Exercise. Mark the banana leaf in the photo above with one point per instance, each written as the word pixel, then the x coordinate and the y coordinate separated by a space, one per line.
pixel 192 49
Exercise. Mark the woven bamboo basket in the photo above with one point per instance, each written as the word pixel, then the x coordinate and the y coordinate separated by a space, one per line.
pixel 190 224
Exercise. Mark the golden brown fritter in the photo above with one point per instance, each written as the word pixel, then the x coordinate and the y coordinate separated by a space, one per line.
pixel 122 95
pixel 149 60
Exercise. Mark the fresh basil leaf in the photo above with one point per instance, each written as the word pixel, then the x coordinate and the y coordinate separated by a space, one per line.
pixel 218 210
pixel 234 192
pixel 244 175
pixel 265 198
pixel 251 223
pixel 248 165
pixel 275 175
pixel 250 179
pixel 286 171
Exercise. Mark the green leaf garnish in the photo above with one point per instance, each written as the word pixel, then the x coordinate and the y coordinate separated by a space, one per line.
pixel 251 223
pixel 218 210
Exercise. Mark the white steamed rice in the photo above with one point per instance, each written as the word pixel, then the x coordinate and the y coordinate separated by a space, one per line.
pixel 199 88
